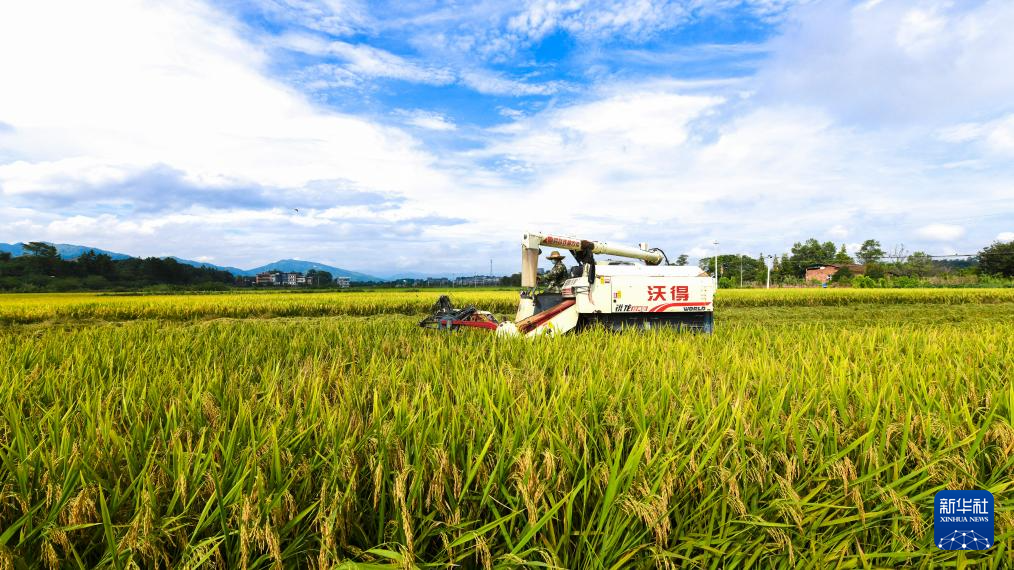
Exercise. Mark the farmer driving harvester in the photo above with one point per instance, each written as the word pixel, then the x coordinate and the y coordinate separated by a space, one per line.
pixel 613 294
pixel 554 278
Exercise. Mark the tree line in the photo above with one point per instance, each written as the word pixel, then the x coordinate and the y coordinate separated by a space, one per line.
pixel 42 269
pixel 996 259
pixel 877 263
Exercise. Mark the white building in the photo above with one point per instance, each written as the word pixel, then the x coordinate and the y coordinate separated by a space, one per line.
pixel 477 281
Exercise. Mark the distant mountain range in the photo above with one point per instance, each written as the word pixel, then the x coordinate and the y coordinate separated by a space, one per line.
pixel 70 251
pixel 296 265
pixel 66 250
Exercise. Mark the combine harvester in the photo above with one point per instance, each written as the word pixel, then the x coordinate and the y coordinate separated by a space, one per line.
pixel 615 294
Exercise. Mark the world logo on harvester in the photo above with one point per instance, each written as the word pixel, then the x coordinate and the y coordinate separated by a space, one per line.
pixel 963 520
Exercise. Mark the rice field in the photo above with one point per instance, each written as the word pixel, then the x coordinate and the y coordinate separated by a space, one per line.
pixel 327 431
pixel 22 308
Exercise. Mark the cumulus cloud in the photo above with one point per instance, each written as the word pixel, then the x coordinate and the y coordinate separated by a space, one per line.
pixel 185 144
pixel 186 120
pixel 927 61
pixel 188 93
pixel 941 232
pixel 1005 236
pixel 684 166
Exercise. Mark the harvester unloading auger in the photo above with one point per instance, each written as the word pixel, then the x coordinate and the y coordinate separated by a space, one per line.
pixel 615 294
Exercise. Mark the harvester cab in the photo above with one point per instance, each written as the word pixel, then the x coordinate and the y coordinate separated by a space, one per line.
pixel 613 294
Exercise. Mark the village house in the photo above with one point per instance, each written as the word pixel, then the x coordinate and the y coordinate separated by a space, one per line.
pixel 477 281
pixel 823 273
pixel 268 278
pixel 276 278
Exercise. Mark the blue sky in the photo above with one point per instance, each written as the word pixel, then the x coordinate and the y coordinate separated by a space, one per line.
pixel 428 136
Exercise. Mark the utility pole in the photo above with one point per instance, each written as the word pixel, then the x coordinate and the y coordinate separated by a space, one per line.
pixel 741 271
pixel 769 270
pixel 490 267
pixel 716 263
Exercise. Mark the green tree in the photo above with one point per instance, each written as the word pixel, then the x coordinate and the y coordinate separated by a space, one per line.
pixel 842 276
pixel 41 249
pixel 42 258
pixel 870 252
pixel 805 254
pixel 91 263
pixel 876 270
pixel 736 266
pixel 919 264
pixel 683 259
pixel 997 259
pixel 762 269
pixel 782 268
pixel 317 277
pixel 843 257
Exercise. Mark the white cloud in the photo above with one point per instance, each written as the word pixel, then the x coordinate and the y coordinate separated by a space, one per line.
pixel 1005 236
pixel 593 19
pixel 510 113
pixel 920 30
pixel 676 163
pixel 188 93
pixel 624 17
pixel 961 133
pixel 336 17
pixel 941 232
pixel 363 61
pixel 992 137
pixel 1000 137
pixel 838 231
pixel 673 165
pixel 59 177
pixel 490 83
pixel 925 62
pixel 367 61
pixel 429 120
pixel 612 130
pixel 131 86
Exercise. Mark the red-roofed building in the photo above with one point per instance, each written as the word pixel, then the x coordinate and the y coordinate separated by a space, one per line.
pixel 822 273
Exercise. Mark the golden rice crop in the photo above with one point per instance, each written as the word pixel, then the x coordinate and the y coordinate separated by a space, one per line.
pixel 806 436
pixel 29 308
